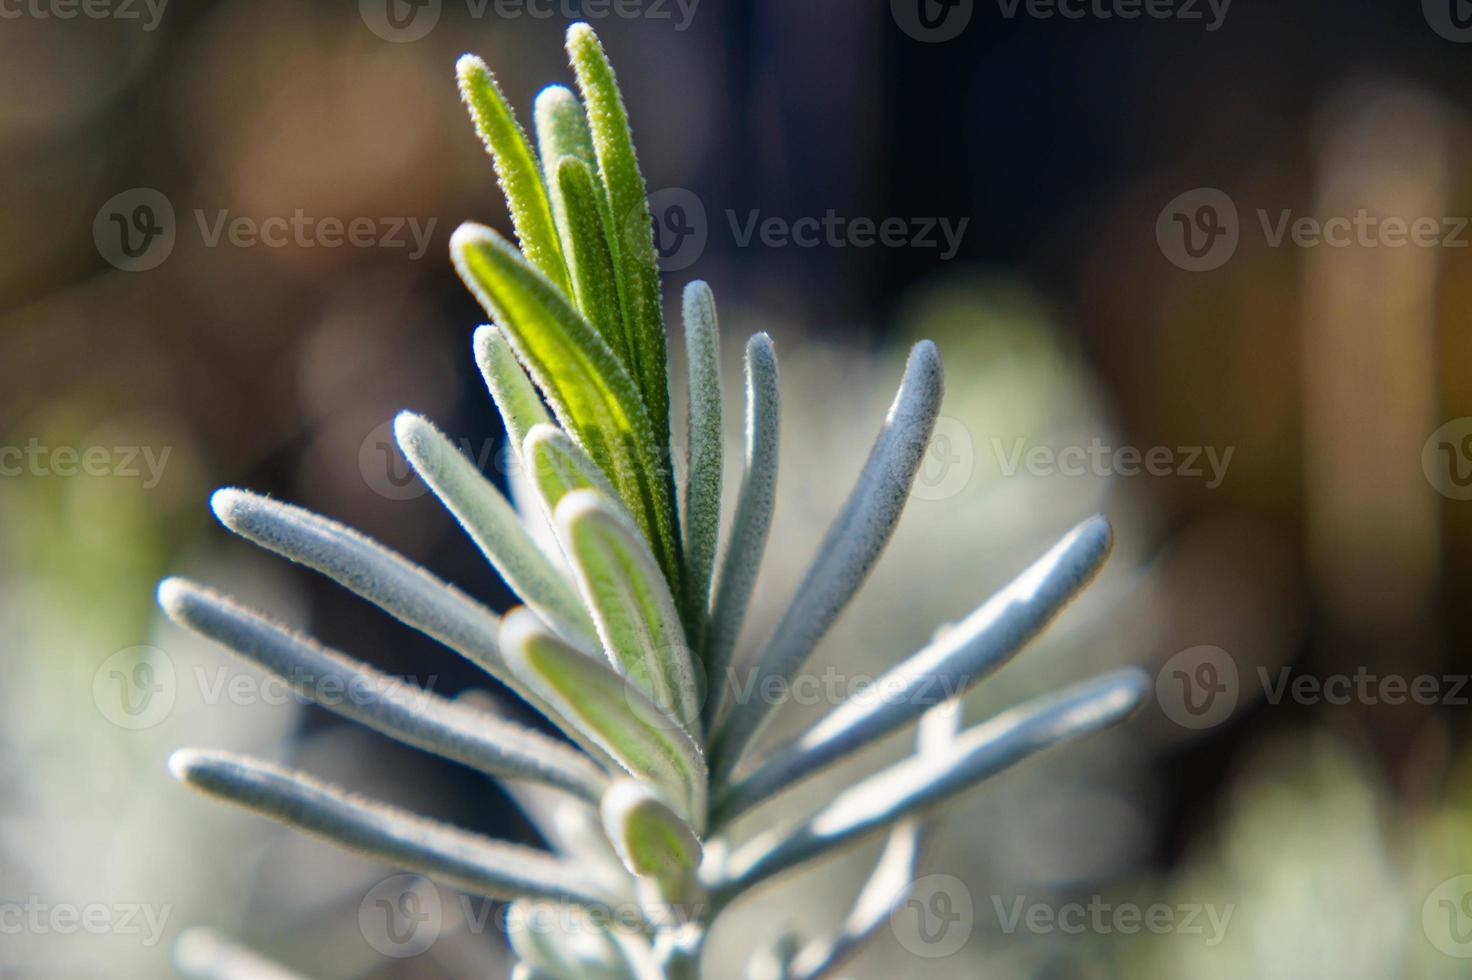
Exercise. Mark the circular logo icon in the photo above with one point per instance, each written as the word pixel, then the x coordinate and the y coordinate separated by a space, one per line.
pixel 1197 688
pixel 661 713
pixel 936 918
pixel 932 21
pixel 1198 231
pixel 949 460
pixel 135 688
pixel 401 916
pixel 400 21
pixel 134 231
pixel 1446 917
pixel 1452 19
pixel 1446 459
pixel 385 469
pixel 680 227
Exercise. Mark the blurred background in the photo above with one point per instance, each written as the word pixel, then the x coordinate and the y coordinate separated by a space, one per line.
pixel 1204 269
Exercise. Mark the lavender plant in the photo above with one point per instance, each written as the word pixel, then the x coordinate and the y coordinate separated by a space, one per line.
pixel 627 637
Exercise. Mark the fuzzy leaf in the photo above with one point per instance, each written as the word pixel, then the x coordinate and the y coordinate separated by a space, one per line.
pixel 753 519
pixel 583 220
pixel 390 705
pixel 850 548
pixel 562 131
pixel 925 780
pixel 557 467
pixel 959 658
pixel 516 168
pixel 631 604
pixel 701 514
pixel 204 954
pixel 632 233
pixel 386 833
pixel 564 943
pixel 612 711
pixel 495 527
pixel 592 395
pixel 515 396
pixel 652 840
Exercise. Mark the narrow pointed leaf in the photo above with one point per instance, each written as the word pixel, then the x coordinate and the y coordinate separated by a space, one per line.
pixel 515 396
pixel 960 657
pixel 390 705
pixel 631 237
pixel 516 168
pixel 592 395
pixel 631 604
pixel 386 833
pixel 753 519
pixel 562 131
pixel 612 711
pixel 557 467
pixel 701 514
pixel 850 548
pixel 653 841
pixel 204 954
pixel 925 780
pixel 390 581
pixel 495 527
pixel 583 221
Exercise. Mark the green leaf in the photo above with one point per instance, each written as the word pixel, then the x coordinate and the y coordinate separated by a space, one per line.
pixel 516 168
pixel 755 502
pixel 557 467
pixel 495 527
pixel 928 778
pixel 386 833
pixel 653 841
pixel 849 550
pixel 583 221
pixel 701 514
pixel 562 131
pixel 516 397
pixel 632 233
pixel 631 604
pixel 960 657
pixel 591 394
pixel 611 710
pixel 565 943
pixel 387 704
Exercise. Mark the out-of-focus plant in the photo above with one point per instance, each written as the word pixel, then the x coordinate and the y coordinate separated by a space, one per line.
pixel 627 638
